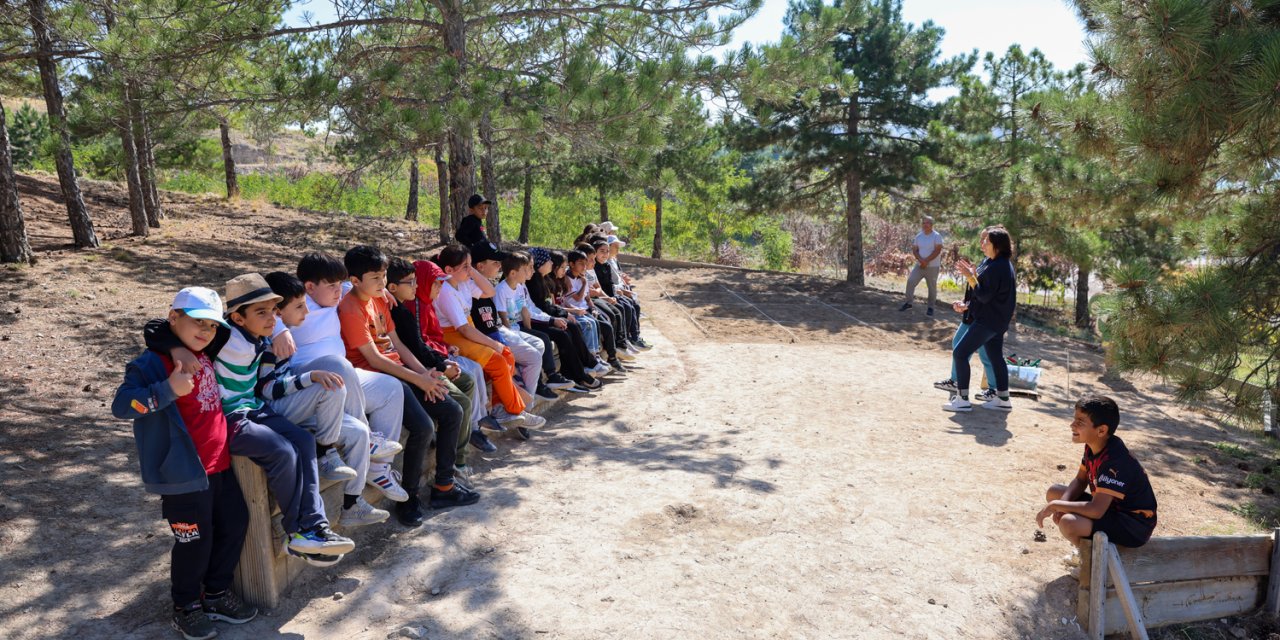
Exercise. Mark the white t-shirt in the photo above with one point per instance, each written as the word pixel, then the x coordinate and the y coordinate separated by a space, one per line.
pixel 320 333
pixel 576 285
pixel 925 243
pixel 453 305
pixel 510 301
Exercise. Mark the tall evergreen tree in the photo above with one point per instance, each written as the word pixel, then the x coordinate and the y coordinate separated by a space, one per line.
pixel 857 120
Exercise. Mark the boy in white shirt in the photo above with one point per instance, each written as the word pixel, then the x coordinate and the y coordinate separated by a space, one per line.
pixel 518 313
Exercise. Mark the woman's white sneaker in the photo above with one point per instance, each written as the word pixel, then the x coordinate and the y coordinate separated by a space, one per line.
pixel 999 404
pixel 958 405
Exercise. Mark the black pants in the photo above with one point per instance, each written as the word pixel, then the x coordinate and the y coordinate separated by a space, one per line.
pixel 208 531
pixel 447 416
pixel 632 310
pixel 607 335
pixel 616 321
pixel 570 363
pixel 585 356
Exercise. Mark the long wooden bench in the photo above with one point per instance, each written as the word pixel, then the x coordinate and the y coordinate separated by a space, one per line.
pixel 1173 580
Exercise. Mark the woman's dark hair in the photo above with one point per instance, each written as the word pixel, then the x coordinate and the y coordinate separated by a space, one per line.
pixel 364 258
pixel 557 286
pixel 452 256
pixel 285 285
pixel 1101 410
pixel 1000 241
pixel 319 267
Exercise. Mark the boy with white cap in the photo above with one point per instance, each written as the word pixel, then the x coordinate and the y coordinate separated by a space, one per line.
pixel 184 456
pixel 285 451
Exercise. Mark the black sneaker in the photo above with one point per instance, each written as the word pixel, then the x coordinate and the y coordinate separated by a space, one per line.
pixel 929 312
pixel 523 433
pixel 577 388
pixel 947 385
pixel 454 497
pixel 617 365
pixel 480 441
pixel 641 344
pixel 558 381
pixel 228 607
pixel 591 384
pixel 905 306
pixel 546 393
pixel 192 623
pixel 490 423
pixel 409 512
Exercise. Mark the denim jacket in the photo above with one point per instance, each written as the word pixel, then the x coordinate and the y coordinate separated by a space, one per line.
pixel 166 454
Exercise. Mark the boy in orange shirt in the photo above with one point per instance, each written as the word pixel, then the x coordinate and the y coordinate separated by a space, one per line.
pixel 370 337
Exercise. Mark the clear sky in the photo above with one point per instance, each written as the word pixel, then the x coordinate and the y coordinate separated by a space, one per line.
pixel 986 25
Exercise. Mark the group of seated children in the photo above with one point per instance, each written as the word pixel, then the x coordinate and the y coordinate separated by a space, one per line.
pixel 314 375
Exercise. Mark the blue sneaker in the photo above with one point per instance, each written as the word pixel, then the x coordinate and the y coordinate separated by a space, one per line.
pixel 321 539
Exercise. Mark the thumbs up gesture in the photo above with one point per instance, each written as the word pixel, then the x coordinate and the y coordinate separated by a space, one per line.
pixel 181 381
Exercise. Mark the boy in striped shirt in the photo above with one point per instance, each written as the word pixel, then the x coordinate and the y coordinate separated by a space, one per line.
pixel 245 371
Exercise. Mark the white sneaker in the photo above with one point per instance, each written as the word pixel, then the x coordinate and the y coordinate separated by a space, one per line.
pixel 531 421
pixel 463 475
pixel 506 419
pixel 362 513
pixel 332 468
pixel 999 404
pixel 624 356
pixel 631 349
pixel 381 449
pixel 958 405
pixel 381 478
pixel 601 368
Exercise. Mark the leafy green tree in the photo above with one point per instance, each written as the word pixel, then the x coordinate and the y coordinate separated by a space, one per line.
pixel 1194 88
pixel 856 119
pixel 27 135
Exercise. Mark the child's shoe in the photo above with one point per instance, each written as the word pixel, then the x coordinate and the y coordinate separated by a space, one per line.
pixel 315 559
pixel 615 366
pixel 958 405
pixel 508 419
pixel 228 607
pixel 523 433
pixel 947 385
pixel 640 344
pixel 362 513
pixel 998 404
pixel 382 480
pixel 624 355
pixel 321 539
pixel 558 381
pixel 480 441
pixel 985 395
pixel 381 449
pixel 600 369
pixel 531 421
pixel 409 513
pixel 462 475
pixel 456 496
pixel 544 392
pixel 333 469
pixel 192 623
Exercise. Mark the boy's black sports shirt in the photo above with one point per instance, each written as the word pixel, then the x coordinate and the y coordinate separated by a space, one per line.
pixel 1115 472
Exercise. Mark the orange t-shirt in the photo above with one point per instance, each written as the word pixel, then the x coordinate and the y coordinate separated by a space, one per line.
pixel 366 322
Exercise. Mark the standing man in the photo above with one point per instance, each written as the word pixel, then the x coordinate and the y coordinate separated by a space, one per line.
pixel 471 229
pixel 927 250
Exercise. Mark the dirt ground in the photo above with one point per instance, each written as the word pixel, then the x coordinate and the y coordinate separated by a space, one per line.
pixel 778 466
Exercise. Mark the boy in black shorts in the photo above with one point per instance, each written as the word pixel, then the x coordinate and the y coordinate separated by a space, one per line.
pixel 1119 500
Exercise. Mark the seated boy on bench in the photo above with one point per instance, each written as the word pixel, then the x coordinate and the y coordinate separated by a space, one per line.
pixel 1111 492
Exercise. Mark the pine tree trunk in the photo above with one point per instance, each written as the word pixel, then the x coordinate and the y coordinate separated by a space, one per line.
pixel 604 204
pixel 657 225
pixel 442 178
pixel 526 214
pixel 1082 297
pixel 137 201
pixel 14 246
pixel 228 162
pixel 462 172
pixel 493 223
pixel 411 210
pixel 853 207
pixel 146 158
pixel 81 224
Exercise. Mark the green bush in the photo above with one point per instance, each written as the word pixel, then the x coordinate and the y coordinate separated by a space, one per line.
pixel 28 137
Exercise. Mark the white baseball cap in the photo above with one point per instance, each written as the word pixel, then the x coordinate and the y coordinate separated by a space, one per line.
pixel 199 302
pixel 608 228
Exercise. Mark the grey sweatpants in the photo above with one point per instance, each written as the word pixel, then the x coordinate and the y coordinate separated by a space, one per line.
pixel 930 275
pixel 351 435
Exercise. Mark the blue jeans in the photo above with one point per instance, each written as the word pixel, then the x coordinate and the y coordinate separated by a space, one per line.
pixel 990 341
pixel 982 354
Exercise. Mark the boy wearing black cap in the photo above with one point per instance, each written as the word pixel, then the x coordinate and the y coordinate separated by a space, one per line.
pixel 471 228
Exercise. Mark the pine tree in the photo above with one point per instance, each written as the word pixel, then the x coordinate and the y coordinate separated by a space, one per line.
pixel 14 246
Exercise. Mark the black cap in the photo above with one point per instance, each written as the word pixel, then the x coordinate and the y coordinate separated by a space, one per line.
pixel 482 251
pixel 476 200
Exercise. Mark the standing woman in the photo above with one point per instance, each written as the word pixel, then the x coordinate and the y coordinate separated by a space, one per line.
pixel 966 320
pixel 991 307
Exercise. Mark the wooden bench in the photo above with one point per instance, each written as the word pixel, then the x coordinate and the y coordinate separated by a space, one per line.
pixel 1172 580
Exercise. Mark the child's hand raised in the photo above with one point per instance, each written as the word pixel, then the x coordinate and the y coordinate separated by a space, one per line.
pixel 180 380
pixel 327 379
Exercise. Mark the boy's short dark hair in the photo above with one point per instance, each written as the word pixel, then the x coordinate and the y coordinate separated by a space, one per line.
pixel 286 286
pixel 362 259
pixel 319 266
pixel 514 261
pixel 1101 410
pixel 585 249
pixel 597 239
pixel 574 256
pixel 601 243
pixel 452 256
pixel 397 269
